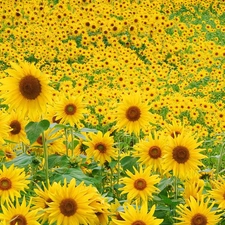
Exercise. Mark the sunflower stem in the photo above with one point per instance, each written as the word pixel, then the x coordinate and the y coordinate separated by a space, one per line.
pixel 66 140
pixel 72 140
pixel 220 160
pixel 45 157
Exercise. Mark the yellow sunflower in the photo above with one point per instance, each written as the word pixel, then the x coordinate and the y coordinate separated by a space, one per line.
pixel 197 212
pixel 140 185
pixel 40 201
pixel 100 147
pixel 71 205
pixel 20 214
pixel 218 192
pixel 150 151
pixel 12 182
pixel 133 114
pixel 182 155
pixel 5 129
pixel 26 89
pixel 137 216
pixel 70 110
pixel 174 129
pixel 17 124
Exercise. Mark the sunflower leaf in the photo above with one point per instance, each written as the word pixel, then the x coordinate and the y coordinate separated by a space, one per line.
pixel 34 129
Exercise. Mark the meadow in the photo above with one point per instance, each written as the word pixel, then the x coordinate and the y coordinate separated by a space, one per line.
pixel 112 112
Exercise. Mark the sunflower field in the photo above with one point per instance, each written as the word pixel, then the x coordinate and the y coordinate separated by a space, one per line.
pixel 112 112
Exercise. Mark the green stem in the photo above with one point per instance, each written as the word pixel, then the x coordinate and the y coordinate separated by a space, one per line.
pixel 72 140
pixel 45 157
pixel 220 160
pixel 66 140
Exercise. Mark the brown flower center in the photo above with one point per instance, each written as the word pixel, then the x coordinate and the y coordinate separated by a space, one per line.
pixel 18 220
pixel 118 216
pixel 39 140
pixel 30 87
pixel 49 200
pixel 138 222
pixel 181 154
pixel 5 183
pixel 199 219
pixel 175 134
pixel 140 184
pixel 133 113
pixel 70 109
pixel 68 207
pixel 101 147
pixel 16 127
pixel 154 152
pixel 54 120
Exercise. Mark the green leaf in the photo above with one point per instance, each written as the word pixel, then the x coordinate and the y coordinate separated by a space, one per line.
pixel 69 173
pixel 22 160
pixel 57 160
pixel 34 129
pixel 128 162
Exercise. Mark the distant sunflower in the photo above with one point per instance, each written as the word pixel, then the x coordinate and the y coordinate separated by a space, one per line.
pixel 182 155
pixel 20 214
pixel 70 205
pixel 26 90
pixel 69 110
pixel 174 129
pixel 12 182
pixel 17 125
pixel 5 129
pixel 100 146
pixel 218 192
pixel 135 216
pixel 197 212
pixel 132 114
pixel 140 185
pixel 150 151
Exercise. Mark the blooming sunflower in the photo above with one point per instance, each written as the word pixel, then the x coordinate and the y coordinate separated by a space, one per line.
pixel 12 182
pixel 132 114
pixel 69 110
pixel 140 185
pixel 5 129
pixel 70 205
pixel 182 155
pixel 197 212
pixel 135 216
pixel 218 192
pixel 26 90
pixel 21 214
pixel 150 151
pixel 100 147
pixel 174 129
pixel 17 124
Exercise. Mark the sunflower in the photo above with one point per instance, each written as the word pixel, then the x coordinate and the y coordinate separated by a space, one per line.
pixel 135 216
pixel 12 182
pixel 17 124
pixel 182 155
pixel 40 201
pixel 197 212
pixel 150 151
pixel 5 129
pixel 174 129
pixel 132 114
pixel 218 192
pixel 21 214
pixel 26 90
pixel 100 147
pixel 69 110
pixel 70 205
pixel 140 185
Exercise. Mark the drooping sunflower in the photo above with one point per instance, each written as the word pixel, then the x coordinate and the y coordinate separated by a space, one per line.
pixel 100 146
pixel 133 114
pixel 150 151
pixel 70 205
pixel 69 110
pixel 140 185
pixel 183 154
pixel 20 214
pixel 12 182
pixel 137 216
pixel 197 212
pixel 26 89
pixel 218 192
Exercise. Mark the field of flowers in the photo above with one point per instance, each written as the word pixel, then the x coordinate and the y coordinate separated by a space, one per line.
pixel 112 112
